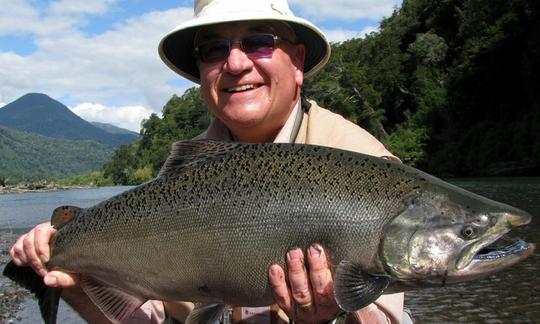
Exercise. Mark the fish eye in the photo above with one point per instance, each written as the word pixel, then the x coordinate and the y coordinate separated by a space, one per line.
pixel 468 232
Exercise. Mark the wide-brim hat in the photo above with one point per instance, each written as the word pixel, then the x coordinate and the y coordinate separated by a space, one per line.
pixel 176 48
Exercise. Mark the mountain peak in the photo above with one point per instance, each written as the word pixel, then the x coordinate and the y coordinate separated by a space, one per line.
pixel 41 114
pixel 35 95
pixel 33 98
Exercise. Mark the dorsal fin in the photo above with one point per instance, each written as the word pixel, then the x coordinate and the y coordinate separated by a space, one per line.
pixel 63 215
pixel 184 153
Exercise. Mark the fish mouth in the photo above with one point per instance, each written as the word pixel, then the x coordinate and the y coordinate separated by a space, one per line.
pixel 494 258
pixel 495 251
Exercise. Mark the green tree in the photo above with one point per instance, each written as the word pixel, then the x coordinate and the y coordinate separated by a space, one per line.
pixel 121 165
pixel 183 118
pixel 440 79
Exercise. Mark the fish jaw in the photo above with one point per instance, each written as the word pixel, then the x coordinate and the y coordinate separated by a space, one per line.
pixel 494 261
pixel 482 257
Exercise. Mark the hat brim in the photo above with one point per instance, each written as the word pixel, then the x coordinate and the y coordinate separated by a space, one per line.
pixel 176 48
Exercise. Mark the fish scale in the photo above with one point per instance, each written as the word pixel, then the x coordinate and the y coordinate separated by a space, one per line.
pixel 208 228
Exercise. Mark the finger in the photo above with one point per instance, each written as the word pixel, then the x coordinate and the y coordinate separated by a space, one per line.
pixel 59 279
pixel 42 237
pixel 17 252
pixel 299 281
pixel 281 291
pixel 32 258
pixel 321 280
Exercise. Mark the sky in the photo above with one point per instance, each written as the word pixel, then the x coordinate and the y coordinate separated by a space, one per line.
pixel 99 57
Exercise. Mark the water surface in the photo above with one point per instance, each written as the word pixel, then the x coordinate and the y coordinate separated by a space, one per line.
pixel 24 210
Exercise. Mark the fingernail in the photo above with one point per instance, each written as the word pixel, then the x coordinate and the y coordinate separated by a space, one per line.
pixel 42 272
pixel 44 258
pixel 50 281
pixel 294 255
pixel 316 250
pixel 274 270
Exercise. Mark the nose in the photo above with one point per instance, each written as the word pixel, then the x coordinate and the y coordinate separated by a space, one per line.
pixel 237 61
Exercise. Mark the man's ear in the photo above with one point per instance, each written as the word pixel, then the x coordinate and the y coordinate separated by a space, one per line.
pixel 298 59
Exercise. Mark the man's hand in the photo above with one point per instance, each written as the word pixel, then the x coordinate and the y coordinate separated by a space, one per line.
pixel 32 249
pixel 309 295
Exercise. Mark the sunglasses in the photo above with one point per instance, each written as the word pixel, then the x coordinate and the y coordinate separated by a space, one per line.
pixel 255 46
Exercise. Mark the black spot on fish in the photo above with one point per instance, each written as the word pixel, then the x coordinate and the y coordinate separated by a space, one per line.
pixel 443 283
pixel 204 289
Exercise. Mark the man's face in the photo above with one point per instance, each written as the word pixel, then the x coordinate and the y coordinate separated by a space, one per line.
pixel 252 96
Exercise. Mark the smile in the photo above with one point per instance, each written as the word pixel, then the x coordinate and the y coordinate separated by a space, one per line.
pixel 244 87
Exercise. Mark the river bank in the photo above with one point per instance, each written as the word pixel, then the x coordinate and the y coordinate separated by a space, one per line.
pixel 11 295
pixel 38 187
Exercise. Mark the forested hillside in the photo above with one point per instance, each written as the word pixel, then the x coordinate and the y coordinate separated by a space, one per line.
pixel 31 157
pixel 451 86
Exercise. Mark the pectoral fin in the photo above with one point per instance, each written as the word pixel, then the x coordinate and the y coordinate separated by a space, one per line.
pixel 116 304
pixel 354 288
pixel 206 314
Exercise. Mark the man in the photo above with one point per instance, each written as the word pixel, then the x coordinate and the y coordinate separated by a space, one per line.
pixel 250 59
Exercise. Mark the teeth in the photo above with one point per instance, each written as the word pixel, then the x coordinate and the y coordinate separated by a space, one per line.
pixel 241 88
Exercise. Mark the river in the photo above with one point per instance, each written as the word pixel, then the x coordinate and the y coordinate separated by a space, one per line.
pixel 24 210
pixel 508 297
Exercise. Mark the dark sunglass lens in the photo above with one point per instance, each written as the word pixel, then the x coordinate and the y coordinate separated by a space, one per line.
pixel 214 50
pixel 259 45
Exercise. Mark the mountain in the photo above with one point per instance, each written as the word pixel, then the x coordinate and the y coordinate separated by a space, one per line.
pixel 28 157
pixel 113 129
pixel 39 113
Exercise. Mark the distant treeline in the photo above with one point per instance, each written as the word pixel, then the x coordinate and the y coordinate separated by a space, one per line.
pixel 450 86
pixel 46 157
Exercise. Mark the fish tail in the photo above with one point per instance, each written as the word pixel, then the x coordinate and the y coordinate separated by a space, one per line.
pixel 48 297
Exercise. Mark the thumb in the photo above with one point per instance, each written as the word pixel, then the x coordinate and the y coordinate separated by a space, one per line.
pixel 59 279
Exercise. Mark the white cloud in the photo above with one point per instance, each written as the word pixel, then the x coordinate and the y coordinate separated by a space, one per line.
pixel 119 67
pixel 94 7
pixel 15 16
pixel 339 35
pixel 346 9
pixel 128 117
pixel 18 17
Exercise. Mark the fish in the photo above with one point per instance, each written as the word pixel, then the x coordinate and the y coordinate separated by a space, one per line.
pixel 219 214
